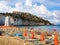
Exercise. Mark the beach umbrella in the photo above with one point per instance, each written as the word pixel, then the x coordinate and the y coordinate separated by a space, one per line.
pixel 32 36
pixel 25 33
pixel 42 37
pixel 56 39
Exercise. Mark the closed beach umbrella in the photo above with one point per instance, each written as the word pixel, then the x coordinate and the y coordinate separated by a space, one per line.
pixel 42 37
pixel 56 39
pixel 25 33
pixel 32 36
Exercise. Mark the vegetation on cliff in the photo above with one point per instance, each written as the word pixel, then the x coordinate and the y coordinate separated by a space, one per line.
pixel 29 17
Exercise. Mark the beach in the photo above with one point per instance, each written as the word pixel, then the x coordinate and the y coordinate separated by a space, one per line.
pixel 28 36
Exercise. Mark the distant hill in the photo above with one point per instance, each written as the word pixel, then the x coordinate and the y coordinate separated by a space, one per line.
pixel 32 19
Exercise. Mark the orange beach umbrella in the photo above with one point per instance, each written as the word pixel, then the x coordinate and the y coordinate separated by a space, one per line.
pixel 56 39
pixel 25 33
pixel 32 36
pixel 42 37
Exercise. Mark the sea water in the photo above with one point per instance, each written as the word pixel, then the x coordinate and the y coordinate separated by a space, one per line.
pixel 50 27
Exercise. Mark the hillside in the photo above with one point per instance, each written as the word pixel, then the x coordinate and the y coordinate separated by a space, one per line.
pixel 30 18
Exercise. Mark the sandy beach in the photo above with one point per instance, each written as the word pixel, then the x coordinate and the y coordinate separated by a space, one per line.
pixel 17 36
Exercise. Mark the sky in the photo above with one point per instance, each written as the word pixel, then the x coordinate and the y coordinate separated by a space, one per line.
pixel 47 9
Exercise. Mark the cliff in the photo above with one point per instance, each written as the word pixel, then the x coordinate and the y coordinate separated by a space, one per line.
pixel 27 18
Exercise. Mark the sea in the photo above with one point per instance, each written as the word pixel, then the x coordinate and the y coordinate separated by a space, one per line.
pixel 50 27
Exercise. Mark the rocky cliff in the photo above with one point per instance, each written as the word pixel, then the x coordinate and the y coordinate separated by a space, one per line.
pixel 27 18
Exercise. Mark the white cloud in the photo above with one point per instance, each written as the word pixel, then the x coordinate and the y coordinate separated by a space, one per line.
pixel 55 18
pixel 18 4
pixel 4 7
pixel 28 3
pixel 40 11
